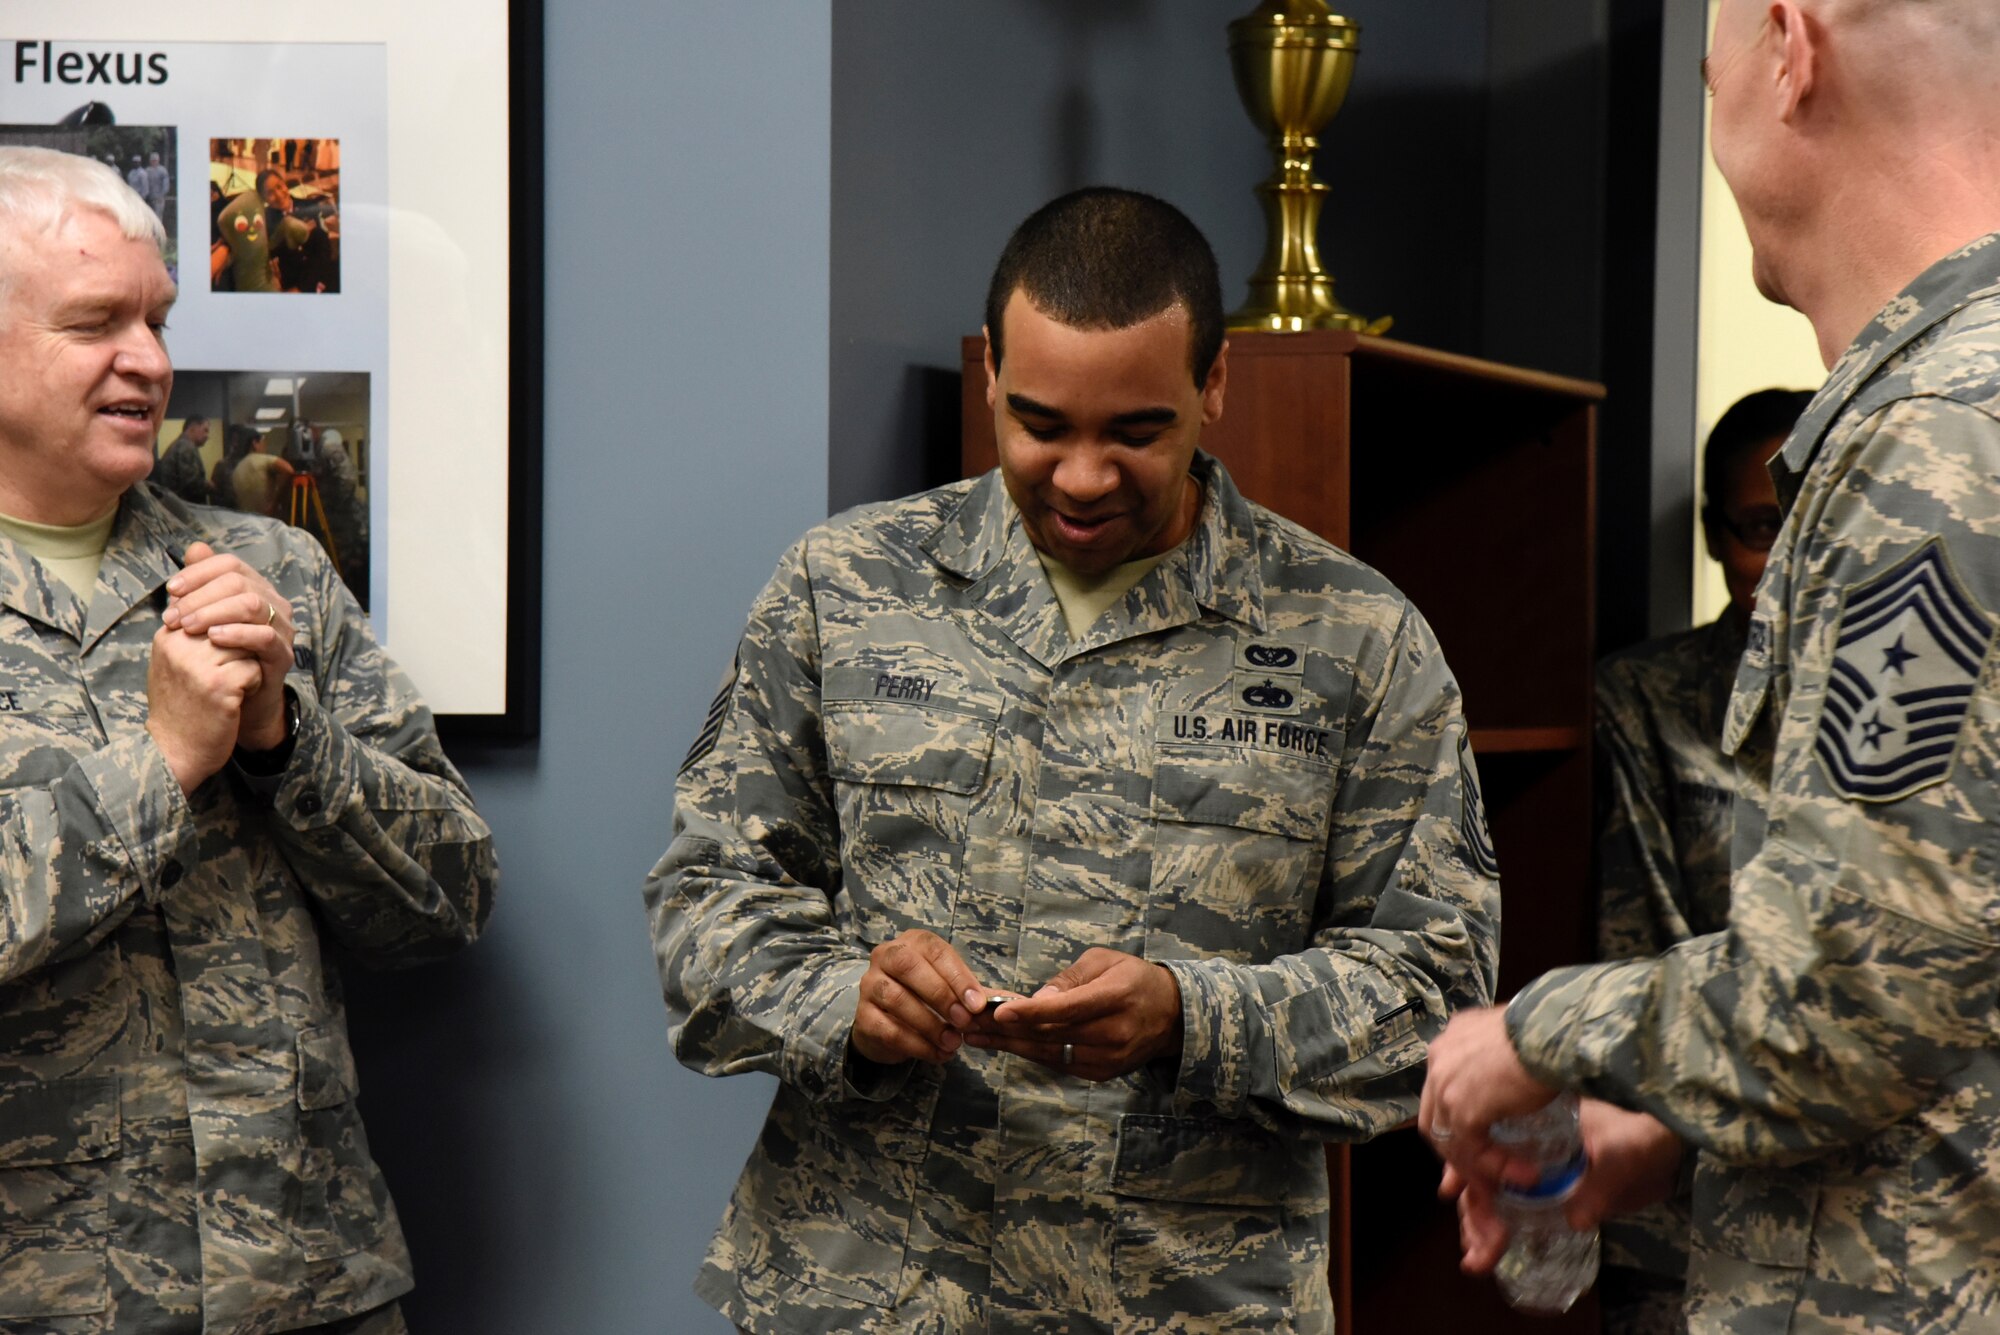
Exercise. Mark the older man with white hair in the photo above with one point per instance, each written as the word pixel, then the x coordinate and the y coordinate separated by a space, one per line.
pixel 1835 1053
pixel 205 762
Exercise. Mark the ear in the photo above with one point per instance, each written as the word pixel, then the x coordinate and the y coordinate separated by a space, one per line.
pixel 1797 42
pixel 992 372
pixel 1211 389
pixel 1711 540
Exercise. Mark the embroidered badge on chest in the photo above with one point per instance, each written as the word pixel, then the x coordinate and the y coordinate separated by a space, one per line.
pixel 1269 678
pixel 1907 659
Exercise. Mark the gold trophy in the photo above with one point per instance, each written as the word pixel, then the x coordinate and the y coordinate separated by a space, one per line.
pixel 1293 60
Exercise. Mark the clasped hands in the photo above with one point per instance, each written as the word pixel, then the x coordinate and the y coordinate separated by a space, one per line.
pixel 1474 1079
pixel 1105 1015
pixel 216 680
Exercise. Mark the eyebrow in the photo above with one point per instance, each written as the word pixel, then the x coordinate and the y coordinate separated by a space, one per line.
pixel 107 301
pixel 1026 407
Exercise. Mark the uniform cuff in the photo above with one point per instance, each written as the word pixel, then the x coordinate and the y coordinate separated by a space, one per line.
pixel 1556 1026
pixel 1215 1042
pixel 321 779
pixel 815 1058
pixel 871 1081
pixel 144 807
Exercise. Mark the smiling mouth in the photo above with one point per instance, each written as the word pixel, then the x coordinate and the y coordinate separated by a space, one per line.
pixel 131 412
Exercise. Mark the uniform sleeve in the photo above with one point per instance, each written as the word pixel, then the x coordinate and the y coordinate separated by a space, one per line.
pixel 756 975
pixel 80 852
pixel 1330 1042
pixel 372 817
pixel 1640 896
pixel 1858 968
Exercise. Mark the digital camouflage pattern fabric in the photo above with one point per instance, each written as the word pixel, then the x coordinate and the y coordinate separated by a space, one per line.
pixel 1663 849
pixel 179 1144
pixel 1833 1051
pixel 1248 770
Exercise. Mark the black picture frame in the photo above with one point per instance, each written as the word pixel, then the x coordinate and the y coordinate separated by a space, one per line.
pixel 520 718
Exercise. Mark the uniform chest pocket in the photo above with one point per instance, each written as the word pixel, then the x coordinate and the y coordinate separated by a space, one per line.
pixel 1239 842
pixel 905 778
pixel 43 730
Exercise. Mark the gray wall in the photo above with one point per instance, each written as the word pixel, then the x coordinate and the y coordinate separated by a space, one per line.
pixel 556 1170
pixel 952 122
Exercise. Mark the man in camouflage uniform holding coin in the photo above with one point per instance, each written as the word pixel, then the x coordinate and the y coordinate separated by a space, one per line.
pixel 205 763
pixel 1832 1053
pixel 1182 784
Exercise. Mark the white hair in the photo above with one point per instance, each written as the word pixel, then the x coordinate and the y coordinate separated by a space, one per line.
pixel 41 188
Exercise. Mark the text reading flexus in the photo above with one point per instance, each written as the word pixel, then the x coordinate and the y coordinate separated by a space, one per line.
pixel 40 62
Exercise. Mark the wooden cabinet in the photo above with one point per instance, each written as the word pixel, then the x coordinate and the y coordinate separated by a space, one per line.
pixel 1472 486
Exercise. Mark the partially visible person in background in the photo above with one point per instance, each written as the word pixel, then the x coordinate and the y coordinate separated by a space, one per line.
pixel 1666 799
pixel 237 441
pixel 322 453
pixel 159 184
pixel 262 484
pixel 178 469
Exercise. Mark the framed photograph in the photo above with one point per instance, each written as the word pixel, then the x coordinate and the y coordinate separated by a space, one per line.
pixel 353 204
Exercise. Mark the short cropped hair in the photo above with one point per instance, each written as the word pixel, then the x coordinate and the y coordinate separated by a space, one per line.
pixel 41 189
pixel 193 420
pixel 1104 258
pixel 1751 422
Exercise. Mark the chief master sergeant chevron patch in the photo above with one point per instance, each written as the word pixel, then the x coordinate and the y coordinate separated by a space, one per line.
pixel 1910 647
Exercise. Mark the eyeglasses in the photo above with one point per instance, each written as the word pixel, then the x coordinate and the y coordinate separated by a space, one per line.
pixel 1757 531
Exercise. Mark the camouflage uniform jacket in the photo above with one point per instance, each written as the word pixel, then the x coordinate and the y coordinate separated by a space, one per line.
pixel 178 1134
pixel 1252 770
pixel 1833 1051
pixel 1663 837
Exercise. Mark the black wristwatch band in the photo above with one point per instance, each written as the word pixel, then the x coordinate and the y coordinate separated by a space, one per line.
pixel 274 761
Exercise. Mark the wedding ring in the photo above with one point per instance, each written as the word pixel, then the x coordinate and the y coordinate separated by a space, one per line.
pixel 270 612
pixel 1069 1051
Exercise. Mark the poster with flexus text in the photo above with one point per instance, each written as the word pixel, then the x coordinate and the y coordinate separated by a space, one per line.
pixel 350 204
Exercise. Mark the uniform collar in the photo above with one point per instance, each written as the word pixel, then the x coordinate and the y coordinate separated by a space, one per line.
pixel 1216 570
pixel 1940 292
pixel 146 542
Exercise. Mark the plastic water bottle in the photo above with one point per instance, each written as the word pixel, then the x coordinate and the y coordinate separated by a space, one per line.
pixel 1548 1265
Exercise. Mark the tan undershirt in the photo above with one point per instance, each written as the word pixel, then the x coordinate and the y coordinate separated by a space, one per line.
pixel 1085 598
pixel 71 552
